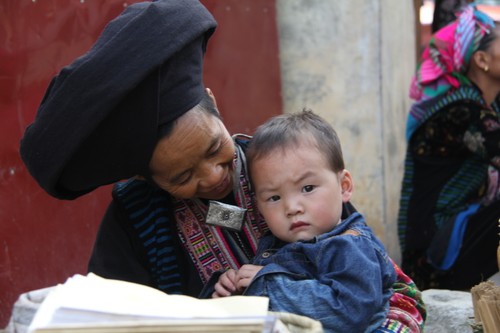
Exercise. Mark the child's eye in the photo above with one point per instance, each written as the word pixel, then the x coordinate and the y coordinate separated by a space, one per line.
pixel 274 198
pixel 308 188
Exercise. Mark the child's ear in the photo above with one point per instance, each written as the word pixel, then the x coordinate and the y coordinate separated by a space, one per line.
pixel 346 185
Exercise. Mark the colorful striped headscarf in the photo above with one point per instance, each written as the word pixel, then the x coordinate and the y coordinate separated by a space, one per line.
pixel 445 60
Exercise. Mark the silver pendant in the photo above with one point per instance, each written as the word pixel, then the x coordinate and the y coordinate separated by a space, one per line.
pixel 224 215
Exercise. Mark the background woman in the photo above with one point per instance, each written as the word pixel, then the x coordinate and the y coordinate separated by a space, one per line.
pixel 450 207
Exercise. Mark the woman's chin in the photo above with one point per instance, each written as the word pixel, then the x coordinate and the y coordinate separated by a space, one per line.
pixel 216 196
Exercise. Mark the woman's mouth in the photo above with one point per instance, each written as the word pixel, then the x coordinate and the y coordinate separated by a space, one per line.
pixel 223 185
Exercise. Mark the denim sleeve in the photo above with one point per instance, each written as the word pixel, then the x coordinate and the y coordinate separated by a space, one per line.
pixel 343 281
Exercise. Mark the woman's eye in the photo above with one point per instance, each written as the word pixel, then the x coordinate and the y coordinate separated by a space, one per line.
pixel 184 180
pixel 308 188
pixel 215 151
pixel 218 148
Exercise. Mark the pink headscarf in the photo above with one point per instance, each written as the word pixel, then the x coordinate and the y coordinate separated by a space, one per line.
pixel 445 60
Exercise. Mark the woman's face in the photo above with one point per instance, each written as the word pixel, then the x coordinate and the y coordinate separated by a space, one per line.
pixel 484 67
pixel 493 56
pixel 196 159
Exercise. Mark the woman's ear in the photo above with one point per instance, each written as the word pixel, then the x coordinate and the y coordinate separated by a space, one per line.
pixel 346 185
pixel 481 59
pixel 212 96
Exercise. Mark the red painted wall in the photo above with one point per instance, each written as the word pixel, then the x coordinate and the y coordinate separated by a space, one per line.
pixel 44 240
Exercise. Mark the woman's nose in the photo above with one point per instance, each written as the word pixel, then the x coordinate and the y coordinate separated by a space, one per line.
pixel 210 174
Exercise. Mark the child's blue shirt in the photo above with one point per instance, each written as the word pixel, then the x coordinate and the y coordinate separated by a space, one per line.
pixel 342 280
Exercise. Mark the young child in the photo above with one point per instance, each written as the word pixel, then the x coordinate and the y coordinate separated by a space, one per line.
pixel 320 261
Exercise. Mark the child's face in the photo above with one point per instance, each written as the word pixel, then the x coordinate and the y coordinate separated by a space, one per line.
pixel 298 193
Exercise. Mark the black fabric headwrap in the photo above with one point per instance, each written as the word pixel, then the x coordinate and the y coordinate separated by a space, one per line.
pixel 98 121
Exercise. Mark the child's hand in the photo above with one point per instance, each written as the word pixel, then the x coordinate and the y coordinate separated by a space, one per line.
pixel 245 275
pixel 226 286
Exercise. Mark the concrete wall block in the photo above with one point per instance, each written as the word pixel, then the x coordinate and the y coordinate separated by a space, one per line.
pixel 351 62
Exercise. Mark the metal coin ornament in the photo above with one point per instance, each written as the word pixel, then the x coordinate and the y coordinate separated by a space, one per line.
pixel 225 216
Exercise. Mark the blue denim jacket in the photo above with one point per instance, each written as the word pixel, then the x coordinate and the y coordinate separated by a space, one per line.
pixel 344 281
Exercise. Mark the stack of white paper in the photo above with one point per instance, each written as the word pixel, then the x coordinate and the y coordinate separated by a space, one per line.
pixel 94 304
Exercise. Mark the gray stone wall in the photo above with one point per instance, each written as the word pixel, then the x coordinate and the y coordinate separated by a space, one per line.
pixel 351 61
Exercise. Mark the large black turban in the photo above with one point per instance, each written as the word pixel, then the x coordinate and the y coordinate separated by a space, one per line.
pixel 98 121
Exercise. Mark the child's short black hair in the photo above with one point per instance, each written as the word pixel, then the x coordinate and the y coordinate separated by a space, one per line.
pixel 291 130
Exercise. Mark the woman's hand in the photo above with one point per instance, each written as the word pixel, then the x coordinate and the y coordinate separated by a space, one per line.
pixel 226 286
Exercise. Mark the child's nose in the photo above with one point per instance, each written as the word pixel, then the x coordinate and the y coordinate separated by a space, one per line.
pixel 293 206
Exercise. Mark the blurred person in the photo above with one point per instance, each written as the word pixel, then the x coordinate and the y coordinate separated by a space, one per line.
pixel 449 207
